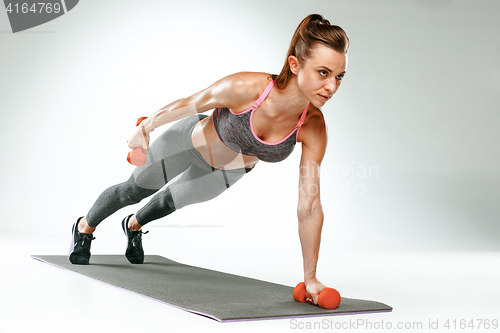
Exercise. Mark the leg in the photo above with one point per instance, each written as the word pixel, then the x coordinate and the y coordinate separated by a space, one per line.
pixel 111 200
pixel 197 184
pixel 169 155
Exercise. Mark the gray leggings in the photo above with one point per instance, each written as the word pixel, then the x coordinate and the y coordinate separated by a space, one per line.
pixel 170 155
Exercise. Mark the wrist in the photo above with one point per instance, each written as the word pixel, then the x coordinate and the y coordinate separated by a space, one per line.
pixel 309 279
pixel 147 124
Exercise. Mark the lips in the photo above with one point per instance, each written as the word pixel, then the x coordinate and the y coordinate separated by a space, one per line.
pixel 324 97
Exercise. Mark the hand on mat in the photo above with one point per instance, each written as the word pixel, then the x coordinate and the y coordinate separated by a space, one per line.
pixel 140 139
pixel 314 287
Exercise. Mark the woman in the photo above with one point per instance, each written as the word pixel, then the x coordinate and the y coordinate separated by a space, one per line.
pixel 251 122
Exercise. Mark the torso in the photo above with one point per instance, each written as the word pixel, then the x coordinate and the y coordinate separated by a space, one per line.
pixel 267 128
pixel 214 152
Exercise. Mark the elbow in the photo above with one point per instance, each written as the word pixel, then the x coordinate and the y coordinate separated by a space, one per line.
pixel 309 208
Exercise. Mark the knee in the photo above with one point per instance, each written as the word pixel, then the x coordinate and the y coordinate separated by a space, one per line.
pixel 133 197
pixel 166 202
pixel 132 194
pixel 160 206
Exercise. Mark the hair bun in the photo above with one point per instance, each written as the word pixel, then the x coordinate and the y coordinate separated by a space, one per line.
pixel 319 19
pixel 315 18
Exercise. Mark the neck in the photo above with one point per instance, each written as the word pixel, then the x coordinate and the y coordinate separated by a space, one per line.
pixel 288 102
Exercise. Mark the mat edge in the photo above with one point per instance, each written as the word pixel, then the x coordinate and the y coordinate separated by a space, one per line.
pixel 130 291
pixel 37 257
pixel 306 316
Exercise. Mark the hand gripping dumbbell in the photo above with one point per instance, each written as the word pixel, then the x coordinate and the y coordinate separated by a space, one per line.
pixel 328 298
pixel 137 156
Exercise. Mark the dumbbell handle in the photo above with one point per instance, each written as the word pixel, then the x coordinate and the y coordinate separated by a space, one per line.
pixel 328 298
pixel 137 156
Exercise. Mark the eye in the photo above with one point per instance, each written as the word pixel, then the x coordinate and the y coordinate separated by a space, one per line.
pixel 340 77
pixel 320 73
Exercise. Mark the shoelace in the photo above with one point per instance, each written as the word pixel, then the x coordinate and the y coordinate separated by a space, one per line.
pixel 137 239
pixel 84 241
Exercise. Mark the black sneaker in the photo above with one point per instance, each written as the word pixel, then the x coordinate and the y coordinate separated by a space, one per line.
pixel 134 252
pixel 79 250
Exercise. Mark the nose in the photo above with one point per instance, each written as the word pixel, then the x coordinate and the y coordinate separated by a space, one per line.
pixel 331 86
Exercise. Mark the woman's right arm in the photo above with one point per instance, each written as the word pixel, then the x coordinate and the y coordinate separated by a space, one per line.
pixel 227 92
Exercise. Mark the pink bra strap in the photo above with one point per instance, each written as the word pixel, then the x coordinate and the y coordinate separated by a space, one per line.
pixel 303 116
pixel 264 95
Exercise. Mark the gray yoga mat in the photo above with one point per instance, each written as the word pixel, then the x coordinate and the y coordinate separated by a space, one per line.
pixel 220 296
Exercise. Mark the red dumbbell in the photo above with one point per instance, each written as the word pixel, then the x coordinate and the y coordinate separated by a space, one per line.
pixel 137 156
pixel 328 298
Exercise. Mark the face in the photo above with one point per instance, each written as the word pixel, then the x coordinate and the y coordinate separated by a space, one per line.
pixel 321 74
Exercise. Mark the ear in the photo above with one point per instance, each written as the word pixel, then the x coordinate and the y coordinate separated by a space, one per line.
pixel 294 64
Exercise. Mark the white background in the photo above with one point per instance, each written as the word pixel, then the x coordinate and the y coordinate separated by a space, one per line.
pixel 419 107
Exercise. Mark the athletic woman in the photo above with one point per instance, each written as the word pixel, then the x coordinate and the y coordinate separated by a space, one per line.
pixel 257 116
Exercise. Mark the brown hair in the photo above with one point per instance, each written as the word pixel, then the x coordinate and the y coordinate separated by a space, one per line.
pixel 313 29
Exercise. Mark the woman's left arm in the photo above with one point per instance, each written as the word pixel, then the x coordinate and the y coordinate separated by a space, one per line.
pixel 309 210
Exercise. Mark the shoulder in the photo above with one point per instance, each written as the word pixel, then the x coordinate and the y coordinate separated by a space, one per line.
pixel 314 127
pixel 248 80
pixel 313 136
pixel 241 88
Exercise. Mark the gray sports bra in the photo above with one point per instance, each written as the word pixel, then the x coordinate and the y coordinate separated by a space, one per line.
pixel 235 130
